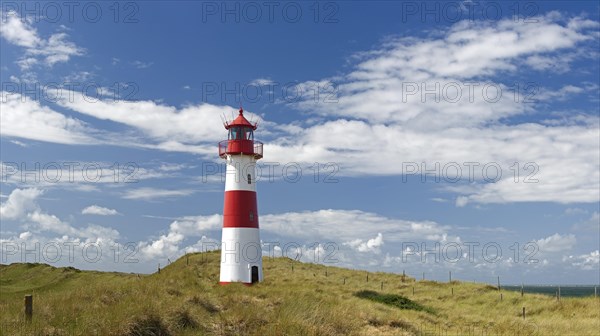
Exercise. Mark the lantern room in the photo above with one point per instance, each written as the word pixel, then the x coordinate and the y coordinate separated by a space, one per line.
pixel 241 138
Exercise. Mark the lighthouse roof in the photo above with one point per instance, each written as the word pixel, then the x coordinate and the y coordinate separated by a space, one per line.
pixel 240 121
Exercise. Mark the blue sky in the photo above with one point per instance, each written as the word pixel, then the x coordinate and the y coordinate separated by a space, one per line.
pixel 374 93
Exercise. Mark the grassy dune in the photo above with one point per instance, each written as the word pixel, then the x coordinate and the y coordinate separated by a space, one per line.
pixel 186 300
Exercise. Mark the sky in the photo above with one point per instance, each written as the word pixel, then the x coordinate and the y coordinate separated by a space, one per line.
pixel 418 137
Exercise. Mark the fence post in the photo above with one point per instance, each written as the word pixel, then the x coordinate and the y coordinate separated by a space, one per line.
pixel 187 259
pixel 403 276
pixel 28 307
pixel 159 268
pixel 595 291
pixel 344 281
pixel 449 276
pixel 367 277
pixel 500 296
pixel 558 293
pixel 498 282
pixel 521 290
pixel 382 285
pixel 413 290
pixel 523 313
pixel 452 291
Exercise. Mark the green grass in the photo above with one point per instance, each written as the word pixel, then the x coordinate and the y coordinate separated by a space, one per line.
pixel 393 300
pixel 310 300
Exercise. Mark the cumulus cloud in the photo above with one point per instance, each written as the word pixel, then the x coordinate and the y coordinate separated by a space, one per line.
pixel 371 245
pixel 556 243
pixel 20 202
pixel 22 206
pixel 168 245
pixel 98 210
pixel 589 261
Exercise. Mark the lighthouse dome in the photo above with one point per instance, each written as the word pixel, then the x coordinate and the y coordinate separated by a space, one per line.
pixel 240 121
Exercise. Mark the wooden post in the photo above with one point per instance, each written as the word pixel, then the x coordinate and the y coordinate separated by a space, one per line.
pixel 326 273
pixel 523 313
pixel 187 259
pixel 595 291
pixel 558 293
pixel 28 307
pixel 498 282
pixel 500 296
pixel 367 277
pixel 521 290
pixel 449 276
pixel 382 285
pixel 403 276
pixel 413 290
pixel 452 291
pixel 292 267
pixel 344 281
pixel 158 268
pixel 423 278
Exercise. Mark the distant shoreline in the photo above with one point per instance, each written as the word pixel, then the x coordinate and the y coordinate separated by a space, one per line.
pixel 565 290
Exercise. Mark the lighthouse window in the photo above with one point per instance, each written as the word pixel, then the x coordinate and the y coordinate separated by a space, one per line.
pixel 249 179
pixel 249 135
pixel 235 133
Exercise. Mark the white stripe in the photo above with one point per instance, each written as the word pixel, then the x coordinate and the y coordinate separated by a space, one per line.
pixel 240 250
pixel 238 169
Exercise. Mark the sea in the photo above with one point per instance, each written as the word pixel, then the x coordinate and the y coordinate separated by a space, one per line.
pixel 565 291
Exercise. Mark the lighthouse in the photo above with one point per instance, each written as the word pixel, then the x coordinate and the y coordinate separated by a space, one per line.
pixel 241 252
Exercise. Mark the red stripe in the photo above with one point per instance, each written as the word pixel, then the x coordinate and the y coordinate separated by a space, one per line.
pixel 240 209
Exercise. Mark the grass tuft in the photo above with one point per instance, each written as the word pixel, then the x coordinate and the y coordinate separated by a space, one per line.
pixel 148 325
pixel 182 319
pixel 205 303
pixel 394 300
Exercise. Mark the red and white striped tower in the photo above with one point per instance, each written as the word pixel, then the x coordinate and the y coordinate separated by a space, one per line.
pixel 241 253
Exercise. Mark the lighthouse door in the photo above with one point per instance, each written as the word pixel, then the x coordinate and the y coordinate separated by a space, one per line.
pixel 254 274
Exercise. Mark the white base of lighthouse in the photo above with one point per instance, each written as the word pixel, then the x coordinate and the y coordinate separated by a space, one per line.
pixel 241 256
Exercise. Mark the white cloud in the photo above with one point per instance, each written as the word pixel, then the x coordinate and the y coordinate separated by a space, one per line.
pixel 22 206
pixel 98 210
pixel 189 125
pixel 20 202
pixel 348 225
pixel 588 261
pixel 371 245
pixel 26 118
pixel 556 243
pixel 54 50
pixel 262 82
pixel 461 201
pixel 164 246
pixel 434 129
pixel 19 143
pixel 142 65
pixel 168 245
pixel 18 31
pixel 575 211
pixel 154 193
